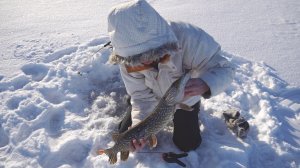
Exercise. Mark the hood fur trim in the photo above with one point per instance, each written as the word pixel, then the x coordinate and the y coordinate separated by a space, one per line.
pixel 150 55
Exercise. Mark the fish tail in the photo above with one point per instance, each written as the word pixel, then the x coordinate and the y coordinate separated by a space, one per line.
pixel 124 155
pixel 111 155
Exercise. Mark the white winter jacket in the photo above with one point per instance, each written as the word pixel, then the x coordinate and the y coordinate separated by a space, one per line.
pixel 197 51
pixel 135 28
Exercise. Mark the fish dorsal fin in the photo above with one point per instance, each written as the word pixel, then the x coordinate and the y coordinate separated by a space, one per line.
pixel 185 107
pixel 115 136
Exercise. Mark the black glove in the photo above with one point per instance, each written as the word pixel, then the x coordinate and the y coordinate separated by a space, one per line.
pixel 236 123
pixel 171 157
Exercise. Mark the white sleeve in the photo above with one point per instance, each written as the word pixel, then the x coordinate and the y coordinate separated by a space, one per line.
pixel 218 75
pixel 142 98
pixel 202 55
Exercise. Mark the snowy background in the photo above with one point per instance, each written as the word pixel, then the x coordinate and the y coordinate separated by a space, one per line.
pixel 60 100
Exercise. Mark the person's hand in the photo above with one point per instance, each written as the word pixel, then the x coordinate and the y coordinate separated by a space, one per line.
pixel 138 145
pixel 194 87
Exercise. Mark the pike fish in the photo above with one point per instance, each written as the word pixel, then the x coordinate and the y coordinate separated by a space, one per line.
pixel 162 114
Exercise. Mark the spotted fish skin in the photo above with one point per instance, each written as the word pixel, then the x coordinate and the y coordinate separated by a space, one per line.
pixel 162 114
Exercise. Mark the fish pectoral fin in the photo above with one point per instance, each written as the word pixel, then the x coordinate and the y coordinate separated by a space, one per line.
pixel 124 155
pixel 115 136
pixel 185 107
pixel 152 141
pixel 112 158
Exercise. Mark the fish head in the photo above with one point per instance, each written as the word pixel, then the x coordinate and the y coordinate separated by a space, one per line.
pixel 175 94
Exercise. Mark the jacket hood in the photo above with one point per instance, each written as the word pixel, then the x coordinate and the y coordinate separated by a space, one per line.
pixel 135 27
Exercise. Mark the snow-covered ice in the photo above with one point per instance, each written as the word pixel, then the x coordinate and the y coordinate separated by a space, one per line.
pixel 60 100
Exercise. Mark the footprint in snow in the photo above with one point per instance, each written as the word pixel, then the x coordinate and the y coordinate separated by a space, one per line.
pixel 4 140
pixel 14 102
pixel 16 83
pixel 36 71
pixel 59 54
pixel 52 95
pixel 72 153
pixel 52 120
pixel 263 155
pixel 29 112
pixel 291 99
pixel 55 123
pixel 24 131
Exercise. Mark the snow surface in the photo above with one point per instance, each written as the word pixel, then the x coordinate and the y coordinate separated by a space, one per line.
pixel 60 100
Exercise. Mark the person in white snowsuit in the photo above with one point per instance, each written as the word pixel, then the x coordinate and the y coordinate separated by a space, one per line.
pixel 152 53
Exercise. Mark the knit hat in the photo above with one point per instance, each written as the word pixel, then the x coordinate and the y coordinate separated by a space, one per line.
pixel 135 27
